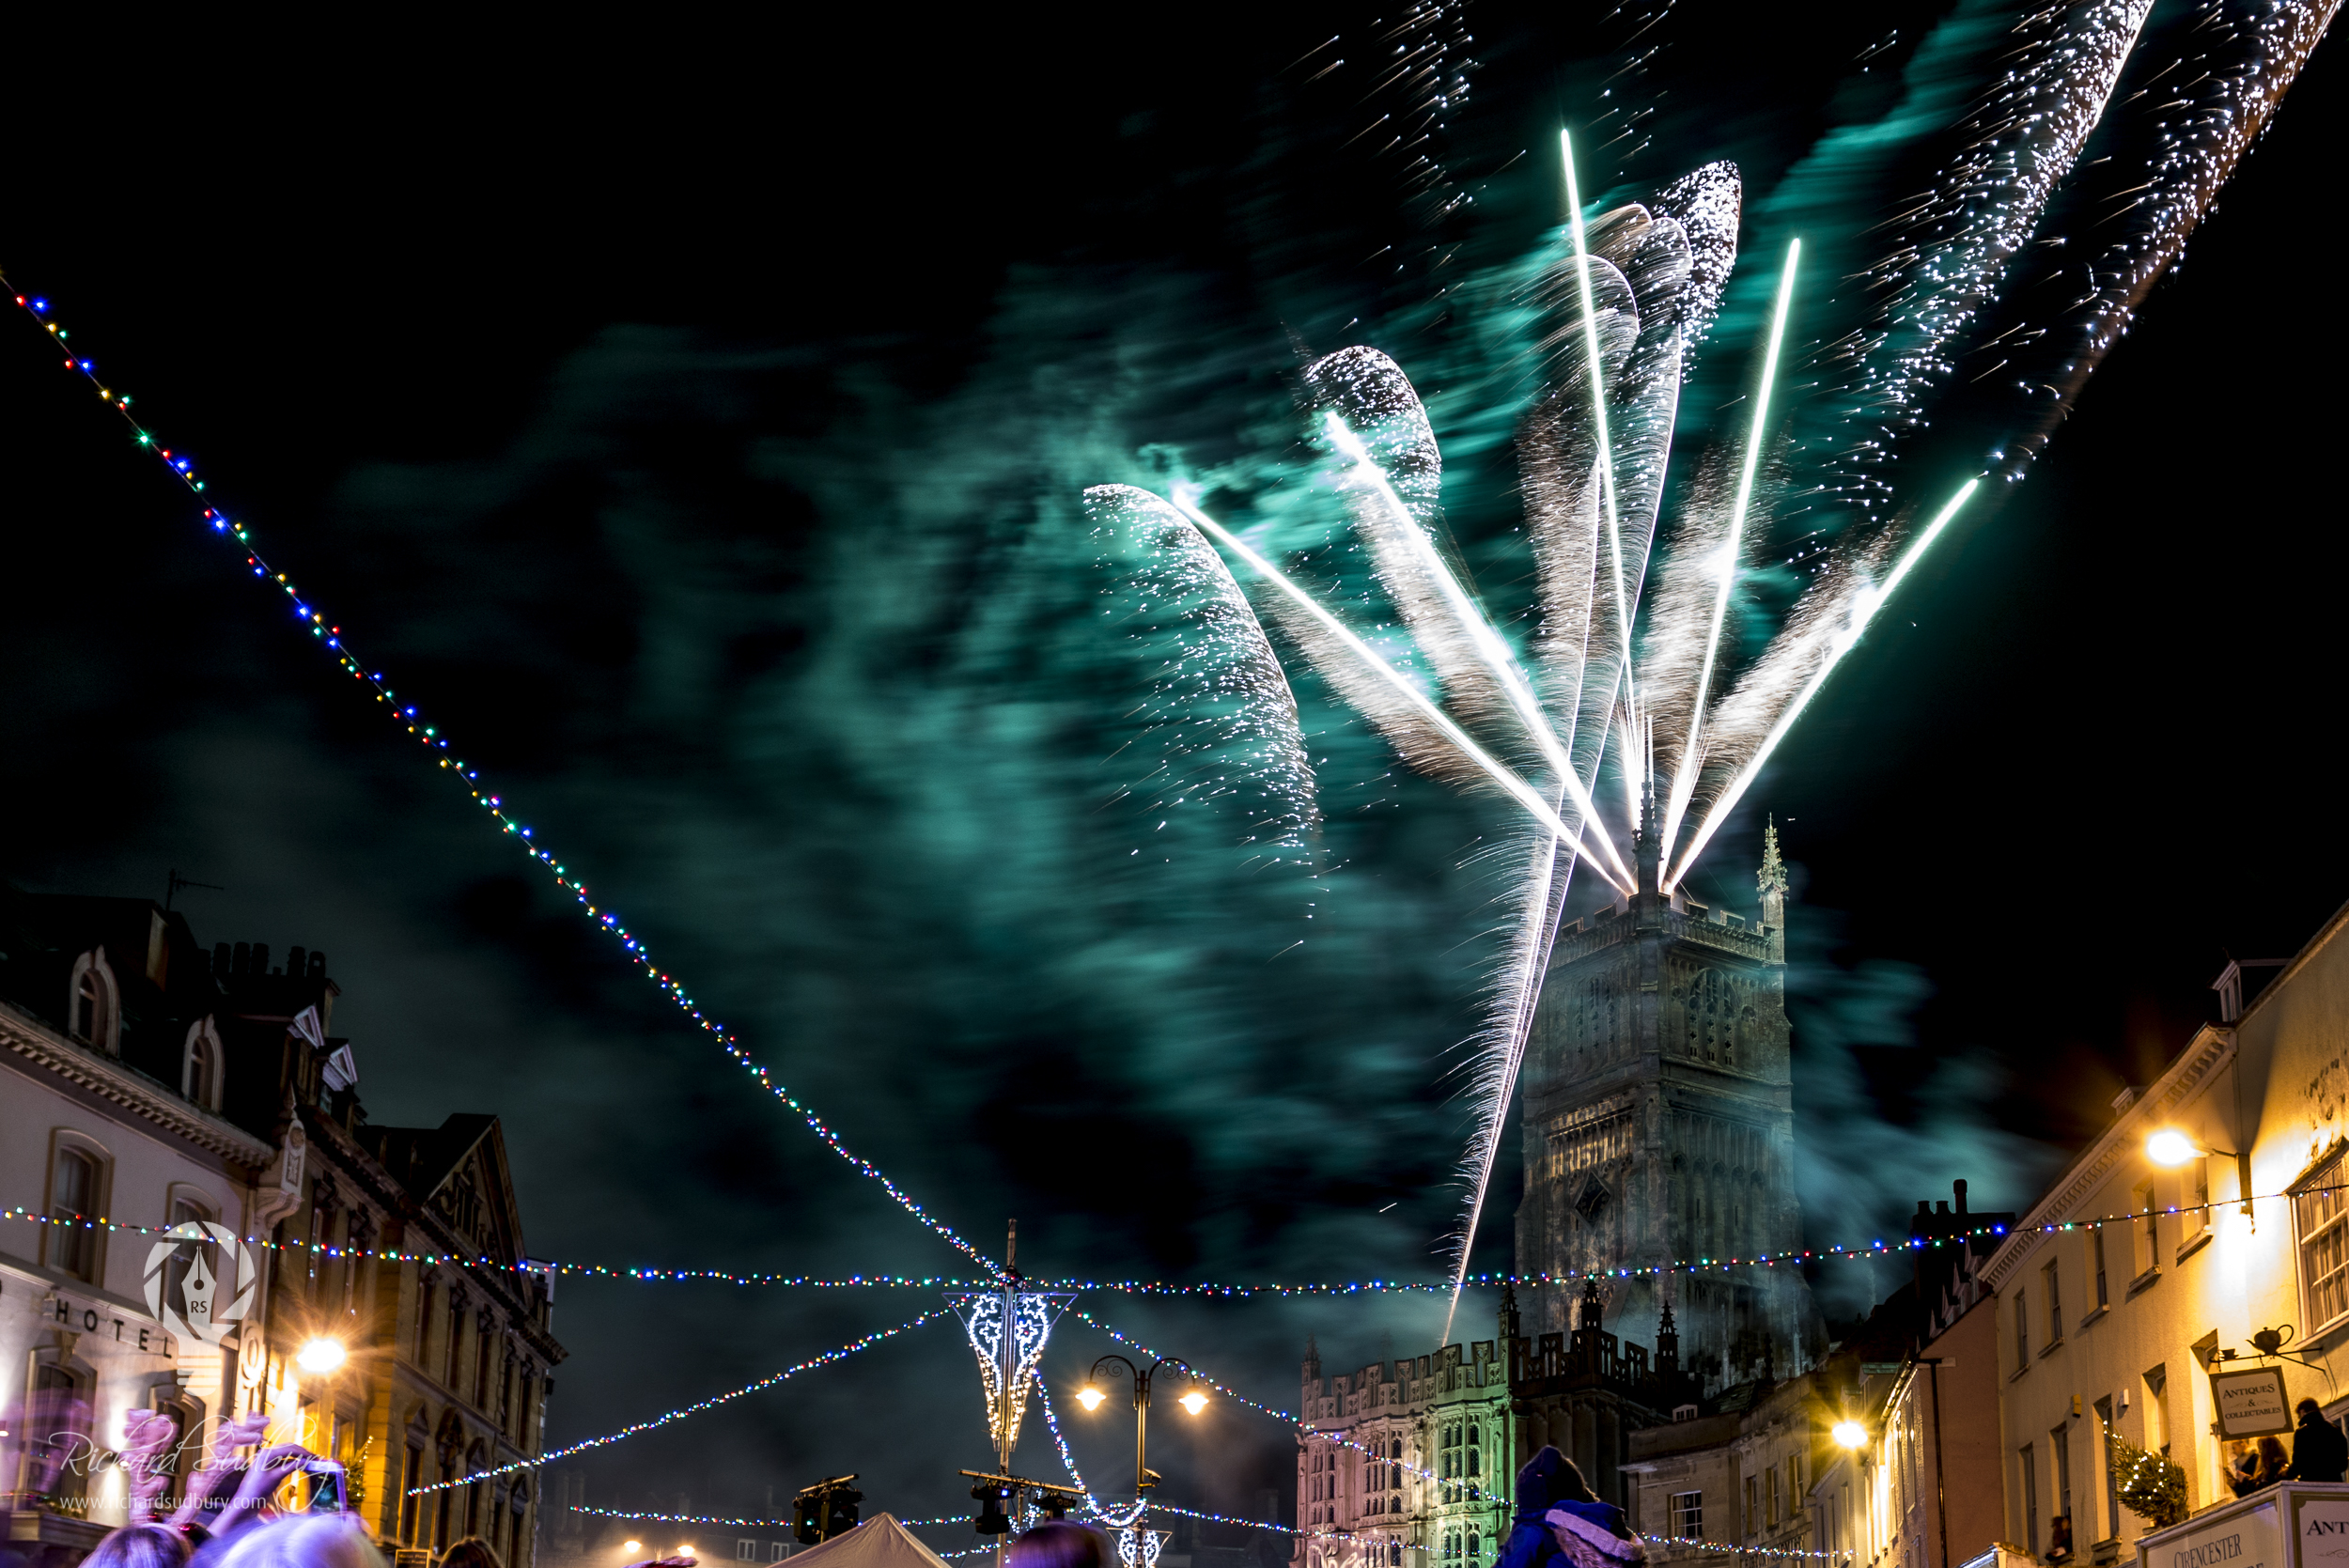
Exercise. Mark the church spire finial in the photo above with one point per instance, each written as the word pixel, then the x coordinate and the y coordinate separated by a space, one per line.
pixel 1773 884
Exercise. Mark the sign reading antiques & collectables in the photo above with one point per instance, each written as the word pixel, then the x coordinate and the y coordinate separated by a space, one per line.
pixel 2250 1404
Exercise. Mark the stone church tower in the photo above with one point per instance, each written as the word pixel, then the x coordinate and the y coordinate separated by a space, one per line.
pixel 1658 1120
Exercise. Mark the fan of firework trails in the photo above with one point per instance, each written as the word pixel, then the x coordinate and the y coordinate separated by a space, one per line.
pixel 1620 714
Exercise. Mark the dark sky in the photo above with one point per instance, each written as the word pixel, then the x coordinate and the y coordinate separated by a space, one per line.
pixel 691 420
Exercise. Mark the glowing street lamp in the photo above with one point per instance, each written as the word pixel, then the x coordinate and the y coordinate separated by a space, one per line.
pixel 321 1356
pixel 2170 1147
pixel 1192 1399
pixel 1849 1434
pixel 631 1547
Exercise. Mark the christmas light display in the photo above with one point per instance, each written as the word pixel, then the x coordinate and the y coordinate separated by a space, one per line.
pixel 330 637
pixel 751 1524
pixel 1853 1252
pixel 2147 1484
pixel 827 1358
pixel 1674 1544
pixel 1007 1330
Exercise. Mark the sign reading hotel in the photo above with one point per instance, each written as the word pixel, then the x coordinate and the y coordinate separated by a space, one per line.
pixel 2250 1404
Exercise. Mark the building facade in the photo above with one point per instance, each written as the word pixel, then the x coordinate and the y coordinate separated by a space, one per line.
pixel 1659 1122
pixel 1413 1463
pixel 197 1100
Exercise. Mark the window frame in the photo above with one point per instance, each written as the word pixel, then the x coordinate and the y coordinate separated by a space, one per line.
pixel 92 965
pixel 56 1240
pixel 2194 1208
pixel 2053 1275
pixel 2311 1193
pixel 1685 1517
pixel 203 1036
pixel 2028 1498
pixel 2022 1329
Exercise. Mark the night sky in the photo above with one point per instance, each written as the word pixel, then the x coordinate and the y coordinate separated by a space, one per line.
pixel 692 421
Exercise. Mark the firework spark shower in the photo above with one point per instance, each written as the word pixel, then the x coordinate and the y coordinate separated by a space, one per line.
pixel 1603 362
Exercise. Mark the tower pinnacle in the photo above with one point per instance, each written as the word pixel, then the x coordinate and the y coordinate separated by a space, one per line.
pixel 1773 885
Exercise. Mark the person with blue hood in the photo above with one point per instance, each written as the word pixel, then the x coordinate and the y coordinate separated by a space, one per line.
pixel 1561 1524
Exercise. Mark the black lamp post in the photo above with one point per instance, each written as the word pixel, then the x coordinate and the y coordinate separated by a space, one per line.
pixel 1193 1401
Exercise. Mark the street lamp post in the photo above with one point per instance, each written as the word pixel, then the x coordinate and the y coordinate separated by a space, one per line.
pixel 1193 1400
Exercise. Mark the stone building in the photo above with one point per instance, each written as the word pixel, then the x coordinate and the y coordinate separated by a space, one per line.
pixel 165 1086
pixel 1411 1463
pixel 1659 1121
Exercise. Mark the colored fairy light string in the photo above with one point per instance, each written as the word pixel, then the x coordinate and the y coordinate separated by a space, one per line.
pixel 329 636
pixel 842 1352
pixel 1236 1290
pixel 1678 1543
pixel 680 1518
pixel 747 1524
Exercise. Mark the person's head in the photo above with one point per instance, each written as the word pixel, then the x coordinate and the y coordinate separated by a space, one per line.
pixel 304 1541
pixel 2307 1411
pixel 471 1552
pixel 1549 1479
pixel 2272 1453
pixel 141 1547
pixel 1057 1544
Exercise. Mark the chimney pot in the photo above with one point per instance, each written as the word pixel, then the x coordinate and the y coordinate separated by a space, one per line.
pixel 1959 1187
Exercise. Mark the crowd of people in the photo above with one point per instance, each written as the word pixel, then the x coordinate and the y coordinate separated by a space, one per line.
pixel 232 1512
pixel 2319 1453
pixel 230 1518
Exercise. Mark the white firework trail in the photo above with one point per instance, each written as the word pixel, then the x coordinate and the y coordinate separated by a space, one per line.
pixel 1635 291
pixel 1221 707
pixel 1950 252
pixel 1724 563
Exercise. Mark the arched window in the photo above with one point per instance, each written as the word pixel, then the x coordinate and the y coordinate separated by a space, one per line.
pixel 94 1003
pixel 200 1078
pixel 1474 1546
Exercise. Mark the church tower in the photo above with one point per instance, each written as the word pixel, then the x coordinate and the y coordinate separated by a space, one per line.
pixel 1660 1126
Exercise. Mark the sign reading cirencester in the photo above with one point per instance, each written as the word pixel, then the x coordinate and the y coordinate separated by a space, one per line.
pixel 2241 1536
pixel 2250 1404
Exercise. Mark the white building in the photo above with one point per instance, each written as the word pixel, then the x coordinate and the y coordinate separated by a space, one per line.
pixel 85 1135
pixel 2131 1284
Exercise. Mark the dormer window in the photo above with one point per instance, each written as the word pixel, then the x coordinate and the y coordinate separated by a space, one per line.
pixel 200 1071
pixel 94 1004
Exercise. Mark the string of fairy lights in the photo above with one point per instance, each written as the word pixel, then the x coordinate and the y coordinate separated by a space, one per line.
pixel 329 637
pixel 1857 1253
pixel 840 1353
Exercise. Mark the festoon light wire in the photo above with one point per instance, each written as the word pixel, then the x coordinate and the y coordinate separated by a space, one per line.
pixel 681 1412
pixel 1853 1252
pixel 329 636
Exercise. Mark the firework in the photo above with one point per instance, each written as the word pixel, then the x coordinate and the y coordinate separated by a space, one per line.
pixel 1620 310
